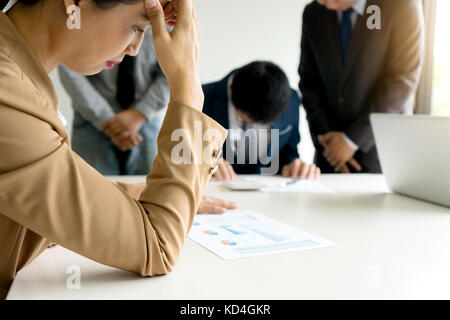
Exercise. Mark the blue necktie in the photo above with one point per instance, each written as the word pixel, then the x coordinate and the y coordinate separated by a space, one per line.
pixel 345 31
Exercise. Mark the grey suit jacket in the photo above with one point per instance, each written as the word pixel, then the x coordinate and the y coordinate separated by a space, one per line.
pixel 94 97
pixel 380 73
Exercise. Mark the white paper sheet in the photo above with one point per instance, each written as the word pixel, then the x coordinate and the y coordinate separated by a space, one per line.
pixel 237 234
pixel 274 184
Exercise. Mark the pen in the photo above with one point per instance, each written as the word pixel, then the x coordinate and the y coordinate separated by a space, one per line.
pixel 285 184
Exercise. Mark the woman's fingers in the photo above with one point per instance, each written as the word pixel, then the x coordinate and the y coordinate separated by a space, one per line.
pixel 222 203
pixel 157 19
pixel 177 51
pixel 214 205
pixel 169 11
pixel 196 23
pixel 184 11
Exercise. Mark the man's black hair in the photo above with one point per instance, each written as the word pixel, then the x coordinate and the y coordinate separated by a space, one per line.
pixel 261 90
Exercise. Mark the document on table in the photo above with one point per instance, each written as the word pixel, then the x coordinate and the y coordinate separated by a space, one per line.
pixel 237 234
pixel 277 184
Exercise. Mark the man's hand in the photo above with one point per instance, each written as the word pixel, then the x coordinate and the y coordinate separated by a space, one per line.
pixel 214 205
pixel 130 121
pixel 337 152
pixel 123 129
pixel 298 169
pixel 224 171
pixel 344 168
pixel 126 142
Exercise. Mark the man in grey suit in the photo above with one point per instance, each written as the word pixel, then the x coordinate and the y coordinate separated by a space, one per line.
pixel 357 57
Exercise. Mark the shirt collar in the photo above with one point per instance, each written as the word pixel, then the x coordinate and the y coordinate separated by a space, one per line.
pixel 359 6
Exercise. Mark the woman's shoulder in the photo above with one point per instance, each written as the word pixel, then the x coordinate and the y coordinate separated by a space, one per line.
pixel 8 67
pixel 14 88
pixel 19 95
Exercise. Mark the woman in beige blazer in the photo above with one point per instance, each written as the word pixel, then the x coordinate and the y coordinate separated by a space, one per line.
pixel 47 192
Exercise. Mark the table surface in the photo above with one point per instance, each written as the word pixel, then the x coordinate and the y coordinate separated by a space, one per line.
pixel 389 247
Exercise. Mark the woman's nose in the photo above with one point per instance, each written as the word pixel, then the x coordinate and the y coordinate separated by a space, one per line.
pixel 133 47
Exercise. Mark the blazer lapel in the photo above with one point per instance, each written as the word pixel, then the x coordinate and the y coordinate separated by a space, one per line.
pixel 332 45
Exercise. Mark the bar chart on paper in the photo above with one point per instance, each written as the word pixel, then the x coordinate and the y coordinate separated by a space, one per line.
pixel 239 234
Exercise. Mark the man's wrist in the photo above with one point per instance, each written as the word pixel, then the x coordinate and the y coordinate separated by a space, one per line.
pixel 138 116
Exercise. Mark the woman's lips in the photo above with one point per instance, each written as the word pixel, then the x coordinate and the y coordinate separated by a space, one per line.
pixel 111 64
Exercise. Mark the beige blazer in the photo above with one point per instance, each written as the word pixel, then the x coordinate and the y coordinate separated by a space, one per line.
pixel 49 194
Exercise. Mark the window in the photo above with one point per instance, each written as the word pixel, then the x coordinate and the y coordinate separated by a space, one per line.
pixel 440 105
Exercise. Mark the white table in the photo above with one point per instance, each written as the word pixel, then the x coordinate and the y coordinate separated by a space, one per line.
pixel 390 247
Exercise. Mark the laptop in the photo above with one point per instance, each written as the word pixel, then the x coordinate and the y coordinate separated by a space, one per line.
pixel 414 153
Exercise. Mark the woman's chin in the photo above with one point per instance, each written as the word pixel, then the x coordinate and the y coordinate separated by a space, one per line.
pixel 89 71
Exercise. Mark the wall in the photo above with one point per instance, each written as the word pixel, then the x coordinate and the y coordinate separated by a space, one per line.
pixel 235 32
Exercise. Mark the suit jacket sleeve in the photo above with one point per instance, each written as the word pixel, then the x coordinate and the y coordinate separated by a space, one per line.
pixel 87 100
pixel 311 85
pixel 401 75
pixel 49 189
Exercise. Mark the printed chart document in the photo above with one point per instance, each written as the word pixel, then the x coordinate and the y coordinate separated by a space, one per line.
pixel 238 234
pixel 281 184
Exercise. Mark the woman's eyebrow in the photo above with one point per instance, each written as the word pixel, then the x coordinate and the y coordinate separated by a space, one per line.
pixel 144 15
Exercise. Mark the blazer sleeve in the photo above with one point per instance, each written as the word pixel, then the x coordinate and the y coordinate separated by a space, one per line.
pixel 49 189
pixel 86 99
pixel 401 75
pixel 311 85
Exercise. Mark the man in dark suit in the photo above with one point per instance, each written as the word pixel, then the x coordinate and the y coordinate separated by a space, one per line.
pixel 357 57
pixel 256 103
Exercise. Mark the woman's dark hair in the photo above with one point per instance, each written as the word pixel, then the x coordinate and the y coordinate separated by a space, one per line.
pixel 261 90
pixel 104 4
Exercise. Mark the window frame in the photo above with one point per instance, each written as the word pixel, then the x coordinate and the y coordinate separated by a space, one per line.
pixel 424 94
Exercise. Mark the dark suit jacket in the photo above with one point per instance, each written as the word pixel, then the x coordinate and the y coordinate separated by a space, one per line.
pixel 216 106
pixel 380 73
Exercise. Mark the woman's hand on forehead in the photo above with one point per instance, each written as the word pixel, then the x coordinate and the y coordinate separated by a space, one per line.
pixel 170 12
